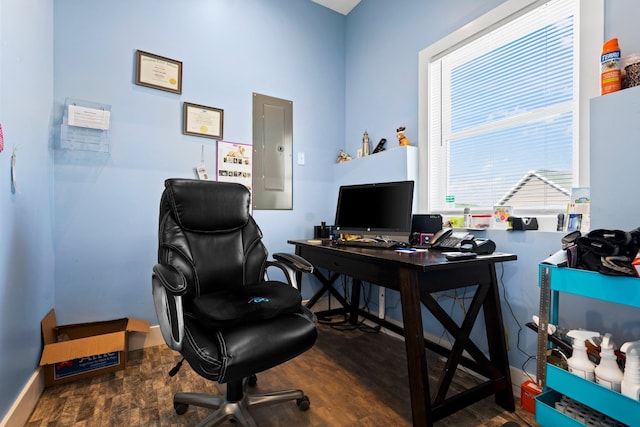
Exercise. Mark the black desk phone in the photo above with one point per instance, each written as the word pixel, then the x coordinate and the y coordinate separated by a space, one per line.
pixel 478 246
pixel 445 241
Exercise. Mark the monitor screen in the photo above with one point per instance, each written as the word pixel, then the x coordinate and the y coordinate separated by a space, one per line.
pixel 380 208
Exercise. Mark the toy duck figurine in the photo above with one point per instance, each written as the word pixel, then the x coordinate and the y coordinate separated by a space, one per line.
pixel 402 140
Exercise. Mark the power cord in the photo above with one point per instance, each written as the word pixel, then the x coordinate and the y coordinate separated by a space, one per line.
pixel 456 299
pixel 360 325
pixel 506 301
pixel 344 324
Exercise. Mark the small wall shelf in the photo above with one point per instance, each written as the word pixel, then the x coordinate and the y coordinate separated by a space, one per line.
pixel 394 164
pixel 89 135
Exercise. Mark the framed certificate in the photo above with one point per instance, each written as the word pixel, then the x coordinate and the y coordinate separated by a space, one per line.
pixel 200 120
pixel 158 72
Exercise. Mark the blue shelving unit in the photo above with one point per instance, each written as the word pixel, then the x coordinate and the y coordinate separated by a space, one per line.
pixel 619 290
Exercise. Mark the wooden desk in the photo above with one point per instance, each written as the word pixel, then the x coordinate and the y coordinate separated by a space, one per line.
pixel 416 276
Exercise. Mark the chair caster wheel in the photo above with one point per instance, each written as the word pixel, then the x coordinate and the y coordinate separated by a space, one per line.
pixel 303 403
pixel 252 380
pixel 180 408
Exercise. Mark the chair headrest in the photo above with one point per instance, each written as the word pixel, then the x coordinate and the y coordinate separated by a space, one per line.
pixel 207 205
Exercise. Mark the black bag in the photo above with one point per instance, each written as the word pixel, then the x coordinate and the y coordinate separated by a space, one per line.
pixel 571 247
pixel 609 252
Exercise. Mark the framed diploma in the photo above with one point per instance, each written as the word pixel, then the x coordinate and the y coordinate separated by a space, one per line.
pixel 158 72
pixel 202 121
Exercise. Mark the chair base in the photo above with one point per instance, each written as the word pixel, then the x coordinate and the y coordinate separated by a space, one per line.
pixel 226 409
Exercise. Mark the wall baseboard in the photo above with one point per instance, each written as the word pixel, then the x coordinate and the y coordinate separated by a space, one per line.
pixel 139 341
pixel 26 402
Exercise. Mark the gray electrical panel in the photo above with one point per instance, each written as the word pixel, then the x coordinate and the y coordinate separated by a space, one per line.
pixel 272 153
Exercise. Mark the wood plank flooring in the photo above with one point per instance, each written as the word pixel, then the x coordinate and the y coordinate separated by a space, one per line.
pixel 352 377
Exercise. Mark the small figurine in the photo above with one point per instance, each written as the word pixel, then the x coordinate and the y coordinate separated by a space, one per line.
pixel 343 157
pixel 402 140
pixel 365 144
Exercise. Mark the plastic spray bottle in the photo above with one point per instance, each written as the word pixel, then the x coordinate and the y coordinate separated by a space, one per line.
pixel 608 374
pixel 631 379
pixel 579 363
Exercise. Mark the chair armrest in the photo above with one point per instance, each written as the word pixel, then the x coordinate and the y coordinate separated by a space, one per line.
pixel 169 277
pixel 291 264
pixel 168 285
pixel 296 262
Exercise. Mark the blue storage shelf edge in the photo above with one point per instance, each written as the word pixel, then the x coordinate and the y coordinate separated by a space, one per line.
pixel 548 416
pixel 617 289
pixel 611 403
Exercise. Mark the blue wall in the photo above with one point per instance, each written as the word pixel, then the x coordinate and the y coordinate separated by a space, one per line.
pixel 26 232
pixel 383 39
pixel 106 208
pixel 80 233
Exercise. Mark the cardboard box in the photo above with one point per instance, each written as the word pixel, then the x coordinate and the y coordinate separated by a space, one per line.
pixel 73 352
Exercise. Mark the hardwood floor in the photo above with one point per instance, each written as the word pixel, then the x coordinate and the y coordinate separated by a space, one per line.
pixel 352 377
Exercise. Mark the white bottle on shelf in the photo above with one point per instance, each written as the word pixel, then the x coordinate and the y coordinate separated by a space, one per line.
pixel 608 374
pixel 579 363
pixel 631 379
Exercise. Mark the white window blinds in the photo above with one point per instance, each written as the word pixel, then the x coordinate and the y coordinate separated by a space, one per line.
pixel 503 114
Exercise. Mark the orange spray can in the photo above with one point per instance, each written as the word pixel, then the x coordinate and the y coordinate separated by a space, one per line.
pixel 610 75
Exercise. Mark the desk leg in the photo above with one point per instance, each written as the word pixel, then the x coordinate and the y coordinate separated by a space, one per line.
pixel 356 285
pixel 496 340
pixel 327 286
pixel 414 342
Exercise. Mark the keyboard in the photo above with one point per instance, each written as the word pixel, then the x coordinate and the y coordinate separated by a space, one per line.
pixel 369 243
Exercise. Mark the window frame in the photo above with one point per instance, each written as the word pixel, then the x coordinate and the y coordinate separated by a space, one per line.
pixel 589 29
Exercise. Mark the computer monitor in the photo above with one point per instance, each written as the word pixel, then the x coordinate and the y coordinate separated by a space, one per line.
pixel 382 208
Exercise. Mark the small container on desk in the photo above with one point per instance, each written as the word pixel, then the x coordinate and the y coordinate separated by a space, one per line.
pixel 480 221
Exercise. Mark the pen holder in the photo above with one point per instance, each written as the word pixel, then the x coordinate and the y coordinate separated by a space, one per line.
pixel 322 231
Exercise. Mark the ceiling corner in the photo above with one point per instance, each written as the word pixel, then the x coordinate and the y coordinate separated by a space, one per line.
pixel 340 6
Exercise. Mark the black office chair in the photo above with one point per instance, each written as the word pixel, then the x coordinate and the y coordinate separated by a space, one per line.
pixel 214 302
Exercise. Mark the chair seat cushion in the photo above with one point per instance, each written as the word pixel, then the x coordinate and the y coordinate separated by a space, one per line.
pixel 253 302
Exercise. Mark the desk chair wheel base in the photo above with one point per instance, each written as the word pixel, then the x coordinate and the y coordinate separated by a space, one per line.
pixel 236 411
pixel 252 380
pixel 303 403
pixel 180 408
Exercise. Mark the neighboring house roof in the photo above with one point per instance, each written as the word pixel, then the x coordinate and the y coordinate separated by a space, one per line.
pixel 547 185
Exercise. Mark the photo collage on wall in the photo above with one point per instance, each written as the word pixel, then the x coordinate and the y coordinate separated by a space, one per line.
pixel 234 163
